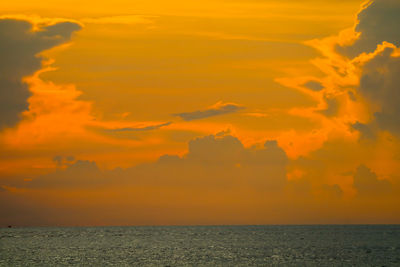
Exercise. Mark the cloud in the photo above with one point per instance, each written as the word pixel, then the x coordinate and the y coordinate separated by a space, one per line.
pixel 377 22
pixel 367 183
pixel 139 129
pixel 376 56
pixel 219 173
pixel 314 85
pixel 20 48
pixel 366 131
pixel 58 160
pixel 359 88
pixel 215 150
pixel 219 108
pixel 308 176
pixel 61 160
pixel 332 107
pixel 211 162
pixel 81 173
pixel 379 84
pixel 304 189
pixel 218 176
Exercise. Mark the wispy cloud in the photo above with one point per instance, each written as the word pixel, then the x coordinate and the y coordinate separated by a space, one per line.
pixel 219 108
pixel 139 129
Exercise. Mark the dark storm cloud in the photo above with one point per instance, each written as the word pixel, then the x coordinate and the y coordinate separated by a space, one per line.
pixel 141 129
pixel 217 109
pixel 20 47
pixel 379 22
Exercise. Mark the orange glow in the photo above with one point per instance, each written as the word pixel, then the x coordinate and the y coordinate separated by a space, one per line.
pixel 179 112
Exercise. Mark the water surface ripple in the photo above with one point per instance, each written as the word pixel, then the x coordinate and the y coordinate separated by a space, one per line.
pixel 373 245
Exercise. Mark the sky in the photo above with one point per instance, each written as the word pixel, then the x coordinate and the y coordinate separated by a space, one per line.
pixel 187 113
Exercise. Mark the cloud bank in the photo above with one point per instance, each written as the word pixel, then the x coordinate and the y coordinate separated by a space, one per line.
pixel 211 161
pixel 217 181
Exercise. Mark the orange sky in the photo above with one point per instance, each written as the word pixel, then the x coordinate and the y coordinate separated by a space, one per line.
pixel 224 112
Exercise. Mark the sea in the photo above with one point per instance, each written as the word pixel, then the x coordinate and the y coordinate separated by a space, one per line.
pixel 295 245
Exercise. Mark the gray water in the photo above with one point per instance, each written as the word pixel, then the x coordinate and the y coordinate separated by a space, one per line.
pixel 202 246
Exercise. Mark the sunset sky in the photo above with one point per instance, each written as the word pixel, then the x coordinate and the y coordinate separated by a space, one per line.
pixel 189 113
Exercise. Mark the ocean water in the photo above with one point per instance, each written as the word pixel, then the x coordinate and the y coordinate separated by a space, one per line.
pixel 202 246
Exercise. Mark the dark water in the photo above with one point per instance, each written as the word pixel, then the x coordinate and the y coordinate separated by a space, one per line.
pixel 202 246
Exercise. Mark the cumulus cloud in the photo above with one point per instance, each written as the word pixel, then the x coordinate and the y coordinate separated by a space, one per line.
pixel 378 21
pixel 139 129
pixel 367 183
pixel 310 176
pixel 359 88
pixel 224 161
pixel 376 47
pixel 20 48
pixel 211 162
pixel 219 108
pixel 215 150
pixel 379 84
pixel 217 176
